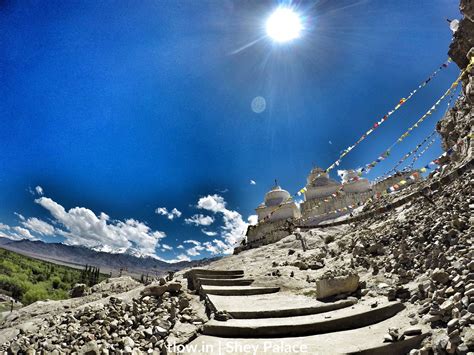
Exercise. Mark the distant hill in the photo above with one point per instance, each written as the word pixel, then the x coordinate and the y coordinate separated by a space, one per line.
pixel 5 241
pixel 79 256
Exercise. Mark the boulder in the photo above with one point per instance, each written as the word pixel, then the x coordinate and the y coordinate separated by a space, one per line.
pixel 79 290
pixel 300 265
pixel 154 290
pixel 174 287
pixel 336 285
pixel 91 348
pixel 468 338
pixel 440 276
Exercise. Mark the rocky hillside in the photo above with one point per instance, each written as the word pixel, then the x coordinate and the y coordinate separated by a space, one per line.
pixel 421 253
pixel 119 316
pixel 459 121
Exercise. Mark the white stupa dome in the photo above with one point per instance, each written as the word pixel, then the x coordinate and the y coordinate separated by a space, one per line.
pixel 276 196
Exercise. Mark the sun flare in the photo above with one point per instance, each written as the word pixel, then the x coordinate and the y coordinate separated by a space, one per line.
pixel 284 25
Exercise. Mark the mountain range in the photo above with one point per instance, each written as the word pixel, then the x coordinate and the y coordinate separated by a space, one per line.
pixel 79 256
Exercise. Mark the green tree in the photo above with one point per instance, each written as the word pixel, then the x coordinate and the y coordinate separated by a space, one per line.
pixel 56 282
pixel 35 293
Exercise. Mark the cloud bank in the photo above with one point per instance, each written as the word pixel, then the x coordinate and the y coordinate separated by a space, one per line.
pixel 232 230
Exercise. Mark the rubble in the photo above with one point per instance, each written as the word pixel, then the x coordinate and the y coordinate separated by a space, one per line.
pixel 136 327
pixel 431 247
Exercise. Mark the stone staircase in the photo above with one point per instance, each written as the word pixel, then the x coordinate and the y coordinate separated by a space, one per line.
pixel 271 322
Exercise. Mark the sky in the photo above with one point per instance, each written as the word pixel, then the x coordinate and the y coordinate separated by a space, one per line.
pixel 129 126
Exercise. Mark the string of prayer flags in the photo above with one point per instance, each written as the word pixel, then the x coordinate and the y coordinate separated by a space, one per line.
pixel 302 191
pixel 416 157
pixel 401 102
pixel 415 150
pixel 395 187
pixel 409 154
pixel 387 115
pixel 420 120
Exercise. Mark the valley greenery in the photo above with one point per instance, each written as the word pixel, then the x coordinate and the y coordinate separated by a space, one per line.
pixel 29 280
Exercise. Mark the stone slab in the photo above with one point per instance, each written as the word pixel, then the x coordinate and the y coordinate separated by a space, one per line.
pixel 364 340
pixel 273 305
pixel 237 290
pixel 342 319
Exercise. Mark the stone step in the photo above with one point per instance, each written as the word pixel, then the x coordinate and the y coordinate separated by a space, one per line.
pixel 191 275
pixel 274 305
pixel 237 290
pixel 216 272
pixel 364 340
pixel 357 316
pixel 226 277
pixel 224 282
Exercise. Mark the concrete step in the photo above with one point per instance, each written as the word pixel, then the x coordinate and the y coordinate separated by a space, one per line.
pixel 237 290
pixel 226 277
pixel 365 340
pixel 224 282
pixel 356 316
pixel 191 275
pixel 216 272
pixel 274 305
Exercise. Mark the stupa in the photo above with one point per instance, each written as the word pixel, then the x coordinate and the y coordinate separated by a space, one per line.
pixel 326 198
pixel 278 204
pixel 353 183
pixel 319 185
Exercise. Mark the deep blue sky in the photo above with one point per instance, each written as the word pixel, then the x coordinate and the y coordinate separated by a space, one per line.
pixel 126 106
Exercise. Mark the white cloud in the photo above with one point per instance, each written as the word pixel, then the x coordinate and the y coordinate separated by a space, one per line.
pixel 23 233
pixel 220 244
pixel 252 182
pixel 6 227
pixel 214 203
pixel 234 226
pixel 83 227
pixel 36 225
pixel 11 236
pixel 211 248
pixel 179 258
pixel 180 246
pixel 15 233
pixel 253 219
pixel 168 214
pixel 196 249
pixel 39 190
pixel 166 247
pixel 200 220
pixel 191 241
pixel 209 233
pixel 20 216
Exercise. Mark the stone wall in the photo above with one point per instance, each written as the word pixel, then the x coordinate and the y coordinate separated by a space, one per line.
pixel 266 233
pixel 309 208
pixel 433 187
pixel 383 185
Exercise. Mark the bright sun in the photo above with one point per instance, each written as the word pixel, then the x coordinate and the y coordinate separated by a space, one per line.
pixel 284 25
